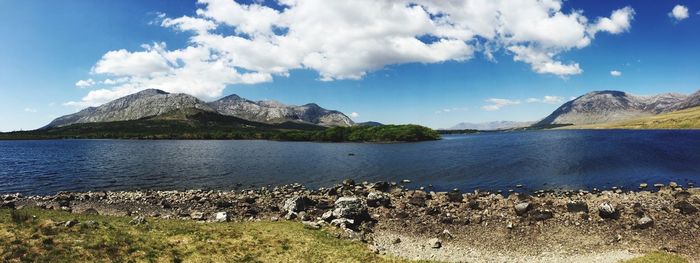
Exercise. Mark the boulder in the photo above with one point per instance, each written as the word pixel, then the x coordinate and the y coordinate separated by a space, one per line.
pixel 70 223
pixel 644 222
pixel 685 207
pixel 297 204
pixel 351 208
pixel 327 216
pixel 311 225
pixel 608 211
pixel 455 197
pixel 643 185
pixel 376 199
pixel 577 206
pixel 522 208
pixel 197 215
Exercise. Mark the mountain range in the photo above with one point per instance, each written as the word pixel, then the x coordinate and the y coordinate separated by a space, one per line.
pixel 152 102
pixel 491 126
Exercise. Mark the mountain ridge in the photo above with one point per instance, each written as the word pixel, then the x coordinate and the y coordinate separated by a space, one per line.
pixel 154 102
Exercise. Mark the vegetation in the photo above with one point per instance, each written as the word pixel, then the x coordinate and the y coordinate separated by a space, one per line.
pixel 657 257
pixel 204 125
pixel 683 119
pixel 467 131
pixel 38 236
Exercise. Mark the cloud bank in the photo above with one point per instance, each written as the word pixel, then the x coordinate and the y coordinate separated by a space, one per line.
pixel 234 43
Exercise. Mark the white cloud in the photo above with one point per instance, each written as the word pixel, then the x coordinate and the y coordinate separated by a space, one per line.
pixel 546 99
pixel 449 110
pixel 30 110
pixel 679 13
pixel 84 83
pixel 615 73
pixel 497 104
pixel 354 114
pixel 234 43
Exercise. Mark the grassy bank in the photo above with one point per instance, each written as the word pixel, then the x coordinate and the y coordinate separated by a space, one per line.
pixel 683 119
pixel 41 236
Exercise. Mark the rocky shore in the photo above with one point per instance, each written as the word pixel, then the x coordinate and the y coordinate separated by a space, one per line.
pixel 600 226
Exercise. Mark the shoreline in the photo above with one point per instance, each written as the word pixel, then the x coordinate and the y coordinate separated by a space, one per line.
pixel 450 226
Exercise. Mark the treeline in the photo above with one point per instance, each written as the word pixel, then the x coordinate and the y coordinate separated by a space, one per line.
pixel 387 133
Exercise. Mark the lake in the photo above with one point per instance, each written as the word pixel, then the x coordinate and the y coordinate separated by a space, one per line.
pixel 490 161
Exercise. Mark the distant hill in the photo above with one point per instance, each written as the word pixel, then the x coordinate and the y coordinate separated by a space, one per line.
pixel 490 126
pixel 682 119
pixel 369 123
pixel 616 106
pixel 152 102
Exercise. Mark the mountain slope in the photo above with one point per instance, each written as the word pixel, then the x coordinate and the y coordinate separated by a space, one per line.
pixel 147 103
pixel 612 106
pixel 275 112
pixel 682 119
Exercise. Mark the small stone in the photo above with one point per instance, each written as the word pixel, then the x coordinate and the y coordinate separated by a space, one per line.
pixel 70 223
pixel 435 243
pixel 608 211
pixel 197 215
pixel 297 204
pixel 509 225
pixel 542 214
pixel 673 184
pixel 311 225
pixel 658 185
pixel 522 208
pixel 518 186
pixel 577 206
pixel 644 222
pixel 327 216
pixel 376 199
pixel 446 234
pixel 643 185
pixel 405 181
pixel 396 241
pixel 348 182
pixel 138 220
pixel 221 217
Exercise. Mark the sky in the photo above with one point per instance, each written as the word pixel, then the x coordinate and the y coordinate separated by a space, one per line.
pixel 434 63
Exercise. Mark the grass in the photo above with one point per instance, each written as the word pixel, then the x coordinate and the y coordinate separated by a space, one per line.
pixel 657 257
pixel 35 235
pixel 683 119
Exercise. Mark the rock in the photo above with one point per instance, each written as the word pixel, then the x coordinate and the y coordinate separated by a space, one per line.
pixel 518 186
pixel 644 222
pixel 643 185
pixel 349 182
pixel 673 184
pixel 476 219
pixel 455 197
pixel 381 186
pixel 221 217
pixel 327 216
pixel 522 208
pixel 541 214
pixel 311 225
pixel 417 198
pixel 405 181
pixel 70 223
pixel 197 215
pixel 608 211
pixel 658 185
pixel 291 216
pixel 297 204
pixel 577 206
pixel 446 234
pixel 90 224
pixel 473 204
pixel 435 243
pixel 376 199
pixel 342 222
pixel 91 211
pixel 138 220
pixel 509 225
pixel 396 241
pixel 685 208
pixel 350 207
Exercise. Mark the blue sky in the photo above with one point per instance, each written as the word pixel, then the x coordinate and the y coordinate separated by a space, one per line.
pixel 48 46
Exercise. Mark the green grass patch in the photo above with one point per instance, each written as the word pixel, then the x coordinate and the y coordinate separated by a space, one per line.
pixel 36 235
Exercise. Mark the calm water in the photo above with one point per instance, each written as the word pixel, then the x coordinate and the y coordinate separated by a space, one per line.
pixel 545 159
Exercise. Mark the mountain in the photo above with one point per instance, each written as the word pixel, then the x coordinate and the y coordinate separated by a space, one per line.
pixel 152 102
pixel 276 112
pixel 614 106
pixel 489 126
pixel 147 103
